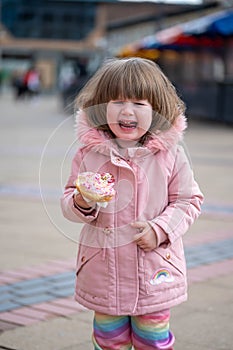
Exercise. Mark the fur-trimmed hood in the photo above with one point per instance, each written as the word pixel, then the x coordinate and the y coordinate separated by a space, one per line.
pixel 100 140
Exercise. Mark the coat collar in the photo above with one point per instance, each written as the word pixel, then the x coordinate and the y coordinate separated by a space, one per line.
pixel 100 141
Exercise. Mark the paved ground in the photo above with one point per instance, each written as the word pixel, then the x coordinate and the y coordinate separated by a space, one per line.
pixel 38 247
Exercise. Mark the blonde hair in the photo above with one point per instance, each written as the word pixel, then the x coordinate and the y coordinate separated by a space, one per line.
pixel 131 78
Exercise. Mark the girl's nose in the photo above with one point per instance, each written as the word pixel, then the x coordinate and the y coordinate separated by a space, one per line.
pixel 127 108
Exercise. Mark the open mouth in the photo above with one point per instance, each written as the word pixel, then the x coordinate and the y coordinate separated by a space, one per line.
pixel 125 124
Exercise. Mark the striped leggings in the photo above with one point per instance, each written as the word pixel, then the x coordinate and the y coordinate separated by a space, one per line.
pixel 142 332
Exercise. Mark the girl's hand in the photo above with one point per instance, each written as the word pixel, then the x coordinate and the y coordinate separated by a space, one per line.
pixel 146 238
pixel 80 201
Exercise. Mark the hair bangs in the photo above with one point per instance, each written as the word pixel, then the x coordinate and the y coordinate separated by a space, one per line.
pixel 126 82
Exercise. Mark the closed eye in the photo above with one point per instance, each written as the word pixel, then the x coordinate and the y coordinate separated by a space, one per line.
pixel 136 103
pixel 139 104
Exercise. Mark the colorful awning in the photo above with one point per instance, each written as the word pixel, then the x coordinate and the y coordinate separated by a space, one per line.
pixel 209 31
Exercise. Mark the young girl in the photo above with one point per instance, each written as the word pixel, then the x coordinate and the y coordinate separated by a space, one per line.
pixel 131 265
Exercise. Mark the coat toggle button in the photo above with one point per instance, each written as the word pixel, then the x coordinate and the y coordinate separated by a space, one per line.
pixel 107 230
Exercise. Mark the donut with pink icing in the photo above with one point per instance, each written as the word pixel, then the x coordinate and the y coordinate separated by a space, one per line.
pixel 96 187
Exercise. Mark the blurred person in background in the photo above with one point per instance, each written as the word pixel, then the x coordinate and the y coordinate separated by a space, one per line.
pixel 26 84
pixel 32 82
pixel 18 84
pixel 72 78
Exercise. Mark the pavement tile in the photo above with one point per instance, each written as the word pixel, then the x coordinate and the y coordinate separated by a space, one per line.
pixel 10 275
pixel 5 288
pixel 59 285
pixel 18 274
pixel 223 267
pixel 58 268
pixel 56 334
pixel 34 299
pixel 211 258
pixel 16 319
pixel 43 270
pixel 37 272
pixel 7 279
pixel 227 253
pixel 63 292
pixel 193 263
pixel 63 276
pixel 68 264
pixel 30 291
pixel 8 305
pixel 55 309
pixel 211 252
pixel 28 271
pixel 35 314
pixel 62 279
pixel 32 283
pixel 215 270
pixel 5 295
pixel 69 303
pixel 49 269
pixel 192 240
pixel 6 326
pixel 2 283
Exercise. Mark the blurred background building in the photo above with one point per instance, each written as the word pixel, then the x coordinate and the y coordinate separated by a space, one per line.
pixel 66 41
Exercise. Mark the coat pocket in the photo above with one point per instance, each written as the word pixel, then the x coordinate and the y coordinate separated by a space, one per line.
pixel 92 273
pixel 163 270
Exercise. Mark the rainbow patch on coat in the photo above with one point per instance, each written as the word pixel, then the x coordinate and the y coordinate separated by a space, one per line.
pixel 161 276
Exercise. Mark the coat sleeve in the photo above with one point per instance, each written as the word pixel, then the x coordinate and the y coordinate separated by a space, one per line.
pixel 69 210
pixel 184 201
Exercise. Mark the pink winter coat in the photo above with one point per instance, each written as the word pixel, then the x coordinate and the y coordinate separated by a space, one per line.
pixel 154 183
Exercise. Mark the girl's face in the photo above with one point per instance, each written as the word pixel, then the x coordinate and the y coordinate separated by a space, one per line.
pixel 129 119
